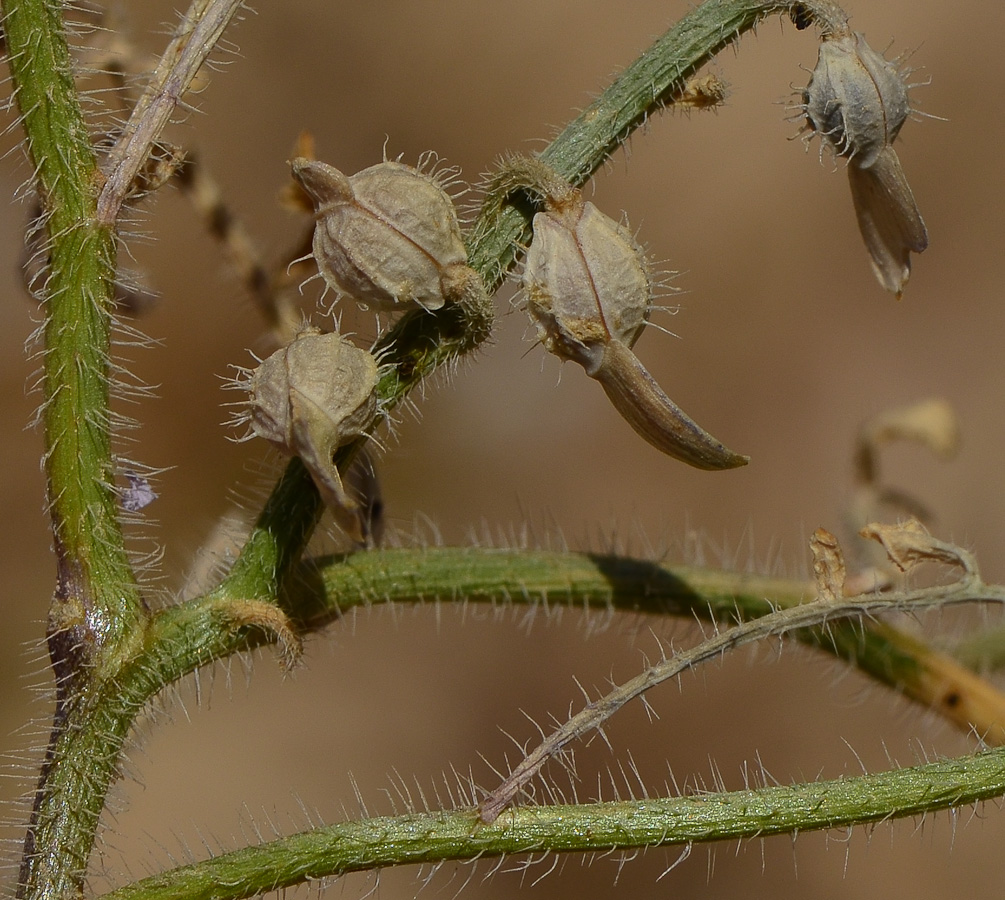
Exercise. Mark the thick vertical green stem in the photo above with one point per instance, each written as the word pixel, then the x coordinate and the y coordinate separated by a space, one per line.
pixel 97 603
pixel 96 609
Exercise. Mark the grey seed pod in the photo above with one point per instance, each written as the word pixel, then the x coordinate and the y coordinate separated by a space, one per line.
pixel 586 282
pixel 857 102
pixel 387 236
pixel 588 290
pixel 312 397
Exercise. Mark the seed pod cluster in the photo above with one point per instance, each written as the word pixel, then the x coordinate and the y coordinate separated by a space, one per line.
pixel 310 398
pixel 857 102
pixel 387 236
pixel 588 290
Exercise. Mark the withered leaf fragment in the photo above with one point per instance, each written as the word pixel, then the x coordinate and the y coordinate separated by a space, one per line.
pixel 829 570
pixel 312 397
pixel 857 102
pixel 909 544
pixel 387 236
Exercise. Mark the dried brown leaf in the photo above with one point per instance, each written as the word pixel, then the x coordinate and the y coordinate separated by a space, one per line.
pixel 828 565
pixel 909 544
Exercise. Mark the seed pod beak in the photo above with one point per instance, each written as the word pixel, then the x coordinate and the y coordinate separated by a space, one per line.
pixel 888 218
pixel 655 417
pixel 323 183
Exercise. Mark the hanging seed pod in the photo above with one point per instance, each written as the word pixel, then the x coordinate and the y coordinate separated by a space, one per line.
pixel 312 397
pixel 586 283
pixel 857 102
pixel 588 290
pixel 387 236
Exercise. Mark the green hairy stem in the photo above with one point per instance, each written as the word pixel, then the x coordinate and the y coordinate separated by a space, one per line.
pixel 434 836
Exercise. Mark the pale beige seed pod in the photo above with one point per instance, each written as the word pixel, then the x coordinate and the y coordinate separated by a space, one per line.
pixel 586 282
pixel 387 236
pixel 857 102
pixel 588 289
pixel 312 397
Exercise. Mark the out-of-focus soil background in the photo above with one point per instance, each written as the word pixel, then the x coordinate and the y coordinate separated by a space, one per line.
pixel 786 345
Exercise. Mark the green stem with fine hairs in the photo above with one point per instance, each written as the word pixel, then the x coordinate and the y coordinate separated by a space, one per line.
pixel 97 613
pixel 428 837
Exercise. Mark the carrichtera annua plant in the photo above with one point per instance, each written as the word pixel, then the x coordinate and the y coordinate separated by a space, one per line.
pixel 390 238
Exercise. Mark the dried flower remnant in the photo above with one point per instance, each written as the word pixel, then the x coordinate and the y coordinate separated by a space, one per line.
pixel 857 102
pixel 312 397
pixel 387 236
pixel 588 290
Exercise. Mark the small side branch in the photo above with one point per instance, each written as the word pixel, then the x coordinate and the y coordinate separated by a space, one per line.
pixel 815 614
pixel 195 39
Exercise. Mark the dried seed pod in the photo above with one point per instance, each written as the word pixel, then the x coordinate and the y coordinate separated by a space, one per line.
pixel 387 236
pixel 586 283
pixel 857 102
pixel 588 289
pixel 312 397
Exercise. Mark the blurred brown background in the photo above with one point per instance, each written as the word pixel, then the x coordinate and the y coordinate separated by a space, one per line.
pixel 787 345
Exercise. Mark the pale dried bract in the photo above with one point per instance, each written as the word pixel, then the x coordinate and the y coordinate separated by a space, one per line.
pixel 387 236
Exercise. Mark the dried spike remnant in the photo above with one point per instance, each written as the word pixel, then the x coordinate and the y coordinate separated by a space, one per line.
pixel 312 397
pixel 588 290
pixel 857 102
pixel 387 236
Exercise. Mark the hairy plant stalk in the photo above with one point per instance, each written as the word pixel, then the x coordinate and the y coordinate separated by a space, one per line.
pixel 97 610
pixel 429 837
pixel 332 587
pixel 97 615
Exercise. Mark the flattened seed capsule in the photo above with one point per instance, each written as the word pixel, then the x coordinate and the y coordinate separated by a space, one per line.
pixel 857 102
pixel 588 290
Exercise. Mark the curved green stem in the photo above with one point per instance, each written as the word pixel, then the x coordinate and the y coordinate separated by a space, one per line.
pixel 436 836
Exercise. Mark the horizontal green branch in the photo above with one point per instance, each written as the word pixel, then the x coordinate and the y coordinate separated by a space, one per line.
pixel 183 638
pixel 437 836
pixel 328 587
